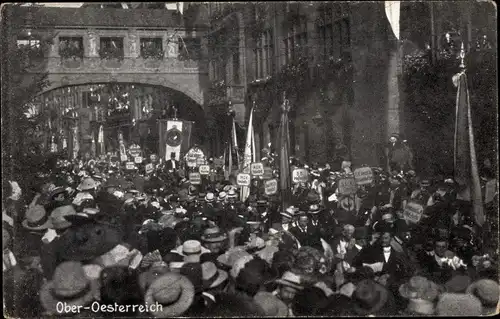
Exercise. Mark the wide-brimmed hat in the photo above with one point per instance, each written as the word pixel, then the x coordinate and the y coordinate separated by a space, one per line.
pixel 486 290
pixel 369 297
pixel 87 184
pixel 222 196
pixel 419 287
pixel 229 258
pixel 36 218
pixel 100 238
pixel 213 235
pixel 56 191
pixel 112 182
pixel 457 284
pixel 291 279
pixel 286 214
pixel 421 306
pixel 271 304
pixel 191 248
pixel 69 285
pixel 462 305
pixel 210 197
pixel 232 194
pixel 314 209
pixel 212 277
pixel 154 272
pixel 174 292
pixel 57 217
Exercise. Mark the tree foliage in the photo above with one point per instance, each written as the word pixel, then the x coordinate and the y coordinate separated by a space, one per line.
pixel 21 153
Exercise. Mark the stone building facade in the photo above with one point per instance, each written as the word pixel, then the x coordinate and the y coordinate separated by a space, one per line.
pixel 335 62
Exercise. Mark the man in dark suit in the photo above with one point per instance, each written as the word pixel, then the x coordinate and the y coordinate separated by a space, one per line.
pixel 305 232
pixel 391 267
pixel 172 164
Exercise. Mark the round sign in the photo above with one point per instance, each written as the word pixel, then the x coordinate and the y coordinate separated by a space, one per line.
pixel 174 137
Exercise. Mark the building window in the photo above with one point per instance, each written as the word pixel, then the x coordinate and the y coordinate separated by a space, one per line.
pixel 111 48
pixel 264 55
pixel 71 47
pixel 190 49
pixel 31 50
pixel 333 32
pixel 152 48
pixel 236 67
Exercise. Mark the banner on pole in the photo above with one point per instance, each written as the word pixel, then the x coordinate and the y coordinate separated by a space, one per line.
pixel 363 176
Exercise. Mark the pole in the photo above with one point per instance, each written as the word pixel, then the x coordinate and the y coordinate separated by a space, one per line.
pixel 433 34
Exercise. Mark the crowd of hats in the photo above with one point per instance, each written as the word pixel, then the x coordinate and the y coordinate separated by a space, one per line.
pixel 94 233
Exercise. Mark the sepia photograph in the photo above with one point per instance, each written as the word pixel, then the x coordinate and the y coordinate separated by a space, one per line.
pixel 249 159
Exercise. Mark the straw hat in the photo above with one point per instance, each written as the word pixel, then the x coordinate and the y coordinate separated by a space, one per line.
pixel 191 249
pixel 222 196
pixel 290 279
pixel 213 235
pixel 271 305
pixel 36 218
pixel 156 270
pixel 314 209
pixel 212 277
pixel 56 191
pixel 87 184
pixel 486 290
pixel 420 288
pixel 174 292
pixel 232 194
pixel 69 285
pixel 210 197
pixel 57 216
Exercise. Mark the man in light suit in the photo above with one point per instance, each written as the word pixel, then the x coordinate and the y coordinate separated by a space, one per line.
pixel 172 164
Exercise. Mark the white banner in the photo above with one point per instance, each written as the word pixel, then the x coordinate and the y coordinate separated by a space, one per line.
pixel 392 11
pixel 173 140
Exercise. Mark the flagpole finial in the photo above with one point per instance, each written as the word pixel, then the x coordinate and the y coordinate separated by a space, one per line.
pixel 462 56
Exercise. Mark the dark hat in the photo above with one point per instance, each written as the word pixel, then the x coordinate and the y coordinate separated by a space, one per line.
pixel 369 297
pixel 360 233
pixel 310 301
pixel 383 227
pixel 400 226
pixel 88 239
pixel 119 284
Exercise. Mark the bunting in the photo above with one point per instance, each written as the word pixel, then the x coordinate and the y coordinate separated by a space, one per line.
pixel 465 162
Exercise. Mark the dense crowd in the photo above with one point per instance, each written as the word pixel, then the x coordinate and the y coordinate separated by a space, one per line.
pixel 93 238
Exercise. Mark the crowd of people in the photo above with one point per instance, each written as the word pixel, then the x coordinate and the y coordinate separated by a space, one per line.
pixel 92 237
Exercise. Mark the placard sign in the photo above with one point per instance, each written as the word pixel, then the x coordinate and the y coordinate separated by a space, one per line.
pixel 149 168
pixel 347 186
pixel 135 150
pixel 363 175
pixel 191 162
pixel 124 158
pixel 243 179
pixel 268 173
pixel 195 178
pixel 413 212
pixel 138 159
pixel 300 175
pixel 257 169
pixel 271 187
pixel 129 165
pixel 204 169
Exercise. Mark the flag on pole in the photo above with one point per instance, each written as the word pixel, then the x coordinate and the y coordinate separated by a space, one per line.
pixel 465 162
pixel 226 174
pixel 248 155
pixel 100 140
pixel 235 143
pixel 392 11
pixel 284 149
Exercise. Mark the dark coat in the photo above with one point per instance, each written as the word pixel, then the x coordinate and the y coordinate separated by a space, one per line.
pixel 169 166
pixel 399 267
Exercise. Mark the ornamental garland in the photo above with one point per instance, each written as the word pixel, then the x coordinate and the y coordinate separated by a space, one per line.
pixel 152 52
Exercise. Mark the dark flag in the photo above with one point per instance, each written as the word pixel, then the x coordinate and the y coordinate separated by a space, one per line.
pixel 465 162
pixel 284 153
